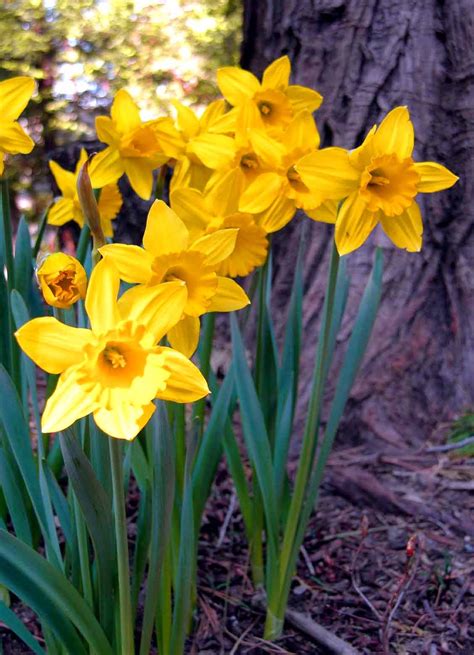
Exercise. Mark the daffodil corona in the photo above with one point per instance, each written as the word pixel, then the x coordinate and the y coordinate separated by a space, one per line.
pixel 379 181
pixel 62 280
pixel 115 369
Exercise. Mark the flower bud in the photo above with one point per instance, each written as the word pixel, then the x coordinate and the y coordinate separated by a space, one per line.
pixel 62 279
pixel 89 205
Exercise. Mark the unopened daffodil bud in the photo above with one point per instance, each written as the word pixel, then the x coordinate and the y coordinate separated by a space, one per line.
pixel 62 279
pixel 89 207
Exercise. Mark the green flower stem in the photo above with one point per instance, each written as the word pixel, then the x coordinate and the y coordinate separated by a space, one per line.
pixel 126 632
pixel 7 234
pixel 277 600
pixel 199 408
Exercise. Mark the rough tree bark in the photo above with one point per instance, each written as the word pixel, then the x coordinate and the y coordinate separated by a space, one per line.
pixel 365 57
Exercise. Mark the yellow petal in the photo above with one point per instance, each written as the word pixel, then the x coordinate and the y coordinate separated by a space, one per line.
pixel 302 98
pixel 260 193
pixel 159 307
pixel 223 196
pixel 395 134
pixel 53 346
pixel 186 119
pixel 164 232
pixel 61 212
pixel 186 383
pixel 268 150
pixel 125 112
pixel 329 173
pixel 101 298
pixel 133 263
pixel 278 214
pixel 277 74
pixel 229 296
pixel 140 175
pixel 325 213
pixel 213 150
pixel 106 131
pixel 354 224
pixel 15 94
pixel 236 85
pixel 301 134
pixel 105 168
pixel 434 177
pixel 212 113
pixel 184 336
pixel 124 420
pixel 13 139
pixel 405 230
pixel 216 246
pixel 70 401
pixel 66 180
pixel 190 206
pixel 171 142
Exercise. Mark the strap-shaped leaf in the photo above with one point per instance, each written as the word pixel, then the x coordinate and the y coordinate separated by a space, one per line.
pixel 97 511
pixel 23 260
pixel 255 433
pixel 45 589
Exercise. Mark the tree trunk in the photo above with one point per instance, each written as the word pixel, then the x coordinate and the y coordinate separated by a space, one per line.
pixel 365 57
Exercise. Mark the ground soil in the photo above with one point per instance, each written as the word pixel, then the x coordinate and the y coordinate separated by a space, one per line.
pixel 387 563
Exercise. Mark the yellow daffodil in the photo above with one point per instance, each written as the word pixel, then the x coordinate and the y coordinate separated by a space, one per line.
pixel 15 94
pixel 135 148
pixel 202 150
pixel 261 170
pixel 380 181
pixel 274 101
pixel 217 209
pixel 169 254
pixel 115 369
pixel 62 279
pixel 68 208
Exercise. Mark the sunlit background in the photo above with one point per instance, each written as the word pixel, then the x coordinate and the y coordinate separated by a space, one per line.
pixel 81 52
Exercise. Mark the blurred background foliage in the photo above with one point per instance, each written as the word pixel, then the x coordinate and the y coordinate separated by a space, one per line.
pixel 82 52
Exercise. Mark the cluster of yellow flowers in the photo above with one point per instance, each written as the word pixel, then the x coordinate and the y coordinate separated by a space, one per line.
pixel 240 172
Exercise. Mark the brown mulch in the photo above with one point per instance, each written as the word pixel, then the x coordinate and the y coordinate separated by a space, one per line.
pixel 387 563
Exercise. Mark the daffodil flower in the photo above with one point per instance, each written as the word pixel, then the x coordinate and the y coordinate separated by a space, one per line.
pixel 274 100
pixel 379 181
pixel 68 208
pixel 202 149
pixel 115 369
pixel 135 148
pixel 169 254
pixel 15 94
pixel 217 209
pixel 62 280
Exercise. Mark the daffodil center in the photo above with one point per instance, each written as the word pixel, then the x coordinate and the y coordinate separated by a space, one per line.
pixel 389 184
pixel 114 357
pixel 265 108
pixel 249 162
pixel 63 286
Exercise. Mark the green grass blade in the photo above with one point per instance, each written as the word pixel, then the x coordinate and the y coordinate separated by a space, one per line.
pixel 210 450
pixel 14 498
pixel 97 511
pixel 23 260
pixel 13 623
pixel 161 449
pixel 255 434
pixel 60 504
pixel 45 589
pixel 17 432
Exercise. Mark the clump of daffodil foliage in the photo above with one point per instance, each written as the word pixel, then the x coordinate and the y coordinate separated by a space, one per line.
pixel 114 329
